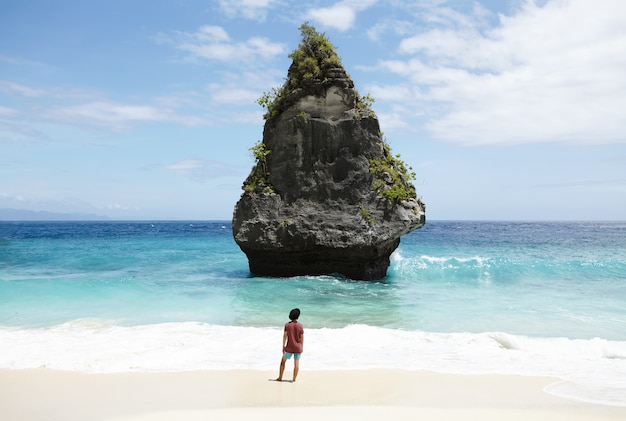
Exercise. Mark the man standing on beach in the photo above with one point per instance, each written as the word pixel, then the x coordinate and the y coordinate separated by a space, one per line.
pixel 293 343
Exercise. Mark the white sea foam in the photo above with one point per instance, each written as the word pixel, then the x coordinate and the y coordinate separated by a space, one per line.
pixel 440 262
pixel 479 261
pixel 592 370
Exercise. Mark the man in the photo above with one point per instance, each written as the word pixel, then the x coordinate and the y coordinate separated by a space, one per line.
pixel 293 343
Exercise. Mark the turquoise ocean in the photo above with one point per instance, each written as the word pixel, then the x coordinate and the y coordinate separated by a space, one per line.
pixel 469 297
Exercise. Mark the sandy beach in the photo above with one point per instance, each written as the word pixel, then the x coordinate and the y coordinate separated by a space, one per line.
pixel 44 394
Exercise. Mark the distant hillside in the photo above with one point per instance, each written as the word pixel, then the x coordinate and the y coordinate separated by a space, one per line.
pixel 28 215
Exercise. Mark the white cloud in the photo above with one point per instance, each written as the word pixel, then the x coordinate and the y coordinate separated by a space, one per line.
pixel 340 16
pixel 393 121
pixel 106 113
pixel 209 33
pixel 398 27
pixel 18 61
pixel 187 166
pixel 8 112
pixel 214 43
pixel 397 93
pixel 225 94
pixel 264 48
pixel 551 73
pixel 398 116
pixel 80 108
pixel 250 9
pixel 198 169
pixel 14 88
pixel 119 116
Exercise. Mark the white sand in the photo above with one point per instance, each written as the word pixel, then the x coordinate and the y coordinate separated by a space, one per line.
pixel 318 395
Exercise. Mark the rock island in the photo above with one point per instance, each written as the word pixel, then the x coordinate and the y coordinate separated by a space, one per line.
pixel 326 195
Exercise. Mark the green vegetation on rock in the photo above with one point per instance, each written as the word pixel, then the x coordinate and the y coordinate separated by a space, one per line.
pixel 364 102
pixel 366 216
pixel 270 100
pixel 313 57
pixel 392 179
pixel 259 179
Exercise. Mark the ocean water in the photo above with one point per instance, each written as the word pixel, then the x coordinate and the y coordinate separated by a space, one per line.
pixel 529 298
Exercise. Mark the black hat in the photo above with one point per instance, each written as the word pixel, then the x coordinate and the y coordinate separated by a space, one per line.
pixel 294 314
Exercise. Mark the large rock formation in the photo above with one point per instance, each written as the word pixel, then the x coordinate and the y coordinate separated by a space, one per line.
pixel 326 195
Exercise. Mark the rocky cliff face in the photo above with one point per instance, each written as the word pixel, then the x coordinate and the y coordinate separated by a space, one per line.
pixel 325 196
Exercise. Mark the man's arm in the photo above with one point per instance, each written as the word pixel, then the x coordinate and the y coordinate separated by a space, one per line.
pixel 284 341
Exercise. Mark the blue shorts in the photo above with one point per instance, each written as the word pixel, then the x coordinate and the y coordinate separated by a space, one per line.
pixel 287 355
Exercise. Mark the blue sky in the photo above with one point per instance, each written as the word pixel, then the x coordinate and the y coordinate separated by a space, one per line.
pixel 142 109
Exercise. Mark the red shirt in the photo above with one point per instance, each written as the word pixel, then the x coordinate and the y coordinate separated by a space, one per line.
pixel 294 330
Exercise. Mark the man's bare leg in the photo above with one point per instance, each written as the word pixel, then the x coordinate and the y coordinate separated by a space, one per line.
pixel 296 368
pixel 282 369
